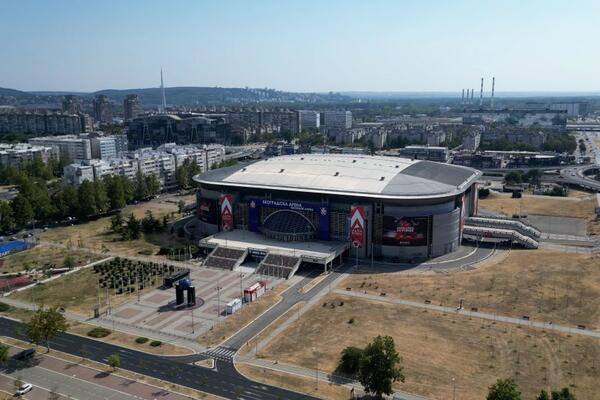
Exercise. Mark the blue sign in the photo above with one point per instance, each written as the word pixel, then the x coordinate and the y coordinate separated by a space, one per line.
pixel 254 206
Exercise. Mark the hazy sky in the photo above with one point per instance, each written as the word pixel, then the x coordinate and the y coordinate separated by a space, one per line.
pixel 301 45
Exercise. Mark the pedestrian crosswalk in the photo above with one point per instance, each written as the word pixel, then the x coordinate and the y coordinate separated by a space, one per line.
pixel 221 353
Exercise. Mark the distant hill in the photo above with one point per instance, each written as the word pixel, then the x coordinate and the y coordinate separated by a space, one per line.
pixel 12 92
pixel 192 95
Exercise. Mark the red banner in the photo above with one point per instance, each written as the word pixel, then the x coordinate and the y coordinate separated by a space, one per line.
pixel 226 204
pixel 357 226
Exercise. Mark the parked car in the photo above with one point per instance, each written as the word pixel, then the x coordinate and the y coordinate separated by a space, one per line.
pixel 24 355
pixel 24 388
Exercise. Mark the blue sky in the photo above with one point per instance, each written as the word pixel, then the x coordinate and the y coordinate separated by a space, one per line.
pixel 303 45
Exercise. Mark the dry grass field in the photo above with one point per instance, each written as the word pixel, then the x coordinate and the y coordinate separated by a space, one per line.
pixel 577 207
pixel 41 255
pixel 436 348
pixel 235 322
pixel 547 286
pixel 76 292
pixel 97 235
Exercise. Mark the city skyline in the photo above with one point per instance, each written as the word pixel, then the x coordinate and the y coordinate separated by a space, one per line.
pixel 302 46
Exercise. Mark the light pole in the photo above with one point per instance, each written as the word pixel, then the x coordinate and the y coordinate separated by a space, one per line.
pixel 192 312
pixel 453 389
pixel 218 289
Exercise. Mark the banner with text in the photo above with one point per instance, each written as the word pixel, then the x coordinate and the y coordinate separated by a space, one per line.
pixel 404 231
pixel 357 226
pixel 254 206
pixel 226 204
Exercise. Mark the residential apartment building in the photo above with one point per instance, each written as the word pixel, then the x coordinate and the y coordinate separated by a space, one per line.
pixel 102 109
pixel 308 120
pixel 132 107
pixel 71 104
pixel 205 156
pixel 40 123
pixel 333 121
pixel 70 147
pixel 103 147
pixel 431 153
pixel 17 155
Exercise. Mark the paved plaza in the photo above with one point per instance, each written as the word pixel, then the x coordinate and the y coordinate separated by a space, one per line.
pixel 214 289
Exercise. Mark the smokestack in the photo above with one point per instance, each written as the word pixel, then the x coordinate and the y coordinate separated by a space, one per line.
pixel 472 93
pixel 492 98
pixel 481 94
pixel 462 100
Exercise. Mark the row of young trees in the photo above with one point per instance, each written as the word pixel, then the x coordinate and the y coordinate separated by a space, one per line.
pixel 44 202
pixel 132 228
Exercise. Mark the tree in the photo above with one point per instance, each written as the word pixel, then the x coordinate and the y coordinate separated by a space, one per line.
pixel 152 185
pixel 7 220
pixel 116 192
pixel 3 354
pixel 22 210
pixel 504 389
pixel 180 206
pixel 380 366
pixel 86 196
pixel 514 177
pixel 101 197
pixel 44 325
pixel 350 360
pixel 563 394
pixel 543 396
pixel 140 191
pixel 182 175
pixel 134 228
pixel 114 361
pixel 116 222
pixel 69 262
pixel 17 383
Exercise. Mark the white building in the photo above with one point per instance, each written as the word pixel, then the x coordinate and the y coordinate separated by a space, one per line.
pixel 70 147
pixel 205 155
pixel 471 141
pixel 336 120
pixel 103 147
pixel 76 173
pixel 16 155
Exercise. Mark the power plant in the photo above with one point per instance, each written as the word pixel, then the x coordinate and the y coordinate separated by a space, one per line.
pixel 468 99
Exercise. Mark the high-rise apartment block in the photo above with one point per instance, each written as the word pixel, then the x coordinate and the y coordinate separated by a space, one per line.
pixel 102 109
pixel 132 107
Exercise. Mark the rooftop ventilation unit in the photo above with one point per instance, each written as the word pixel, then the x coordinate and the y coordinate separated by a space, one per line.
pixel 281 170
pixel 336 174
pixel 382 178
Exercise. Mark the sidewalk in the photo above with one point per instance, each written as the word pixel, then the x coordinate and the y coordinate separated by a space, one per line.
pixel 109 324
pixel 81 382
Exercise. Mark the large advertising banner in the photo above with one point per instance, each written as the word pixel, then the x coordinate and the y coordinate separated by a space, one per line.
pixel 405 231
pixel 357 226
pixel 254 206
pixel 207 211
pixel 226 205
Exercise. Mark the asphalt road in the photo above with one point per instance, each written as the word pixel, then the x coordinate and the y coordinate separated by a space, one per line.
pixel 225 381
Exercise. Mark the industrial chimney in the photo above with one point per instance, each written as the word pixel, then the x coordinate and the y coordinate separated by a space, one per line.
pixel 481 94
pixel 462 100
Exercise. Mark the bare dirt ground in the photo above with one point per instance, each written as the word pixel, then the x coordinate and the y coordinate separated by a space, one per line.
pixel 544 285
pixel 437 347
pixel 97 235
pixel 576 206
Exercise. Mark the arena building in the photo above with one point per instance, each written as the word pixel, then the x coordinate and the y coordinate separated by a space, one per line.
pixel 389 208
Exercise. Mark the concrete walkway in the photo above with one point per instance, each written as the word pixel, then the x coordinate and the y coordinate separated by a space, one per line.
pixel 118 326
pixel 473 314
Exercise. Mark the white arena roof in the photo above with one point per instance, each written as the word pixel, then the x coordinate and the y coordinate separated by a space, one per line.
pixel 346 174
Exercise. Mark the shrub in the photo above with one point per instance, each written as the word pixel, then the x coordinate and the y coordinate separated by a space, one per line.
pixel 99 332
pixel 155 343
pixel 516 194
pixel 4 307
pixel 351 321
pixel 141 340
